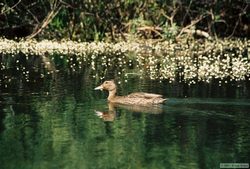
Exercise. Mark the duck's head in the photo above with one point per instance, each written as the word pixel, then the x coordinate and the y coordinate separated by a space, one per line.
pixel 107 85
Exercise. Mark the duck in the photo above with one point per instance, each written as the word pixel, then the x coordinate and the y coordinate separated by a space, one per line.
pixel 137 98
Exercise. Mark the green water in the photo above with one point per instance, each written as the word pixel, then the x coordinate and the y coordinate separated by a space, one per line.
pixel 53 124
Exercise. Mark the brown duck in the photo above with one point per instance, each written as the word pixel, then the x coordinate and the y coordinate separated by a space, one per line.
pixel 139 98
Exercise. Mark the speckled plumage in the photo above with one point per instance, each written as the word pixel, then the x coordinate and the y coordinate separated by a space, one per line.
pixel 139 98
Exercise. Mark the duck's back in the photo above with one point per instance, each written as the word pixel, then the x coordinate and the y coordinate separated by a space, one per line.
pixel 139 98
pixel 144 95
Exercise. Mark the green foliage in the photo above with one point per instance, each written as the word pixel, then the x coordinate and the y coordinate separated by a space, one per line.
pixel 96 20
pixel 170 31
pixel 138 22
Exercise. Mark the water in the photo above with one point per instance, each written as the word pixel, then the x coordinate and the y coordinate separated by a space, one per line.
pixel 54 123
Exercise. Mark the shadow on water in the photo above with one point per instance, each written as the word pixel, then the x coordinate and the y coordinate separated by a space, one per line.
pixel 53 122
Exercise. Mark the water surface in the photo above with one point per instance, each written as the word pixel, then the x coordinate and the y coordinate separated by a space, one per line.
pixel 53 123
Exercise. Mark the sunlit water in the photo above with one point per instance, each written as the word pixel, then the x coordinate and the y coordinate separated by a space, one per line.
pixel 54 123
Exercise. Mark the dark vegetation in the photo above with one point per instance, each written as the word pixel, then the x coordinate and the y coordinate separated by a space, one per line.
pixel 124 19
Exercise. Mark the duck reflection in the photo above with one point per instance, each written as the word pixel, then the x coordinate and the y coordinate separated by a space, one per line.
pixel 110 114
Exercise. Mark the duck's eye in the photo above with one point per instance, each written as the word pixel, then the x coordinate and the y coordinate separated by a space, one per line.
pixel 106 82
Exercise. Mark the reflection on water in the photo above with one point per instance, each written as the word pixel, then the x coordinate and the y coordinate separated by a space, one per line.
pixel 53 124
pixel 110 114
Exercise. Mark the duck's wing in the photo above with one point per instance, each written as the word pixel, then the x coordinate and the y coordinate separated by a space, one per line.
pixel 144 95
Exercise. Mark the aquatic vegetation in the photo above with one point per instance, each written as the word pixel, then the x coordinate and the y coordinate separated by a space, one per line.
pixel 188 61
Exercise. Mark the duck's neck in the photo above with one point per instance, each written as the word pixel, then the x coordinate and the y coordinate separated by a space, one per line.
pixel 112 94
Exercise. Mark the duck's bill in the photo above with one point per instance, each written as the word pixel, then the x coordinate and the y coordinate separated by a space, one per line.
pixel 99 88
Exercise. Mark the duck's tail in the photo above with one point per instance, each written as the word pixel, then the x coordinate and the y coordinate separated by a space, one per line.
pixel 159 100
